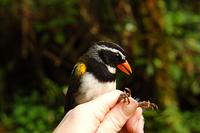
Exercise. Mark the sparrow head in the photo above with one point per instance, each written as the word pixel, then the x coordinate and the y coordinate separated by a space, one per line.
pixel 110 54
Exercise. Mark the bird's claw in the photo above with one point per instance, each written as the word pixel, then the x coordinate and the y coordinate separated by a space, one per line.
pixel 125 96
pixel 144 104
pixel 147 105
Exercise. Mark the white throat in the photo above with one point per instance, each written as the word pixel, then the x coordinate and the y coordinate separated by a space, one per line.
pixel 91 88
pixel 111 69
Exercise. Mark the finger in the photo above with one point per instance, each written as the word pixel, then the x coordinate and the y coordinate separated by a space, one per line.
pixel 91 114
pixel 102 104
pixel 133 123
pixel 140 126
pixel 117 117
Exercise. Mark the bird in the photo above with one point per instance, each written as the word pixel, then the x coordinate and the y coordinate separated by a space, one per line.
pixel 95 73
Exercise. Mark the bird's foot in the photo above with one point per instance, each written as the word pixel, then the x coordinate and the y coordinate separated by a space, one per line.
pixel 147 105
pixel 144 104
pixel 125 96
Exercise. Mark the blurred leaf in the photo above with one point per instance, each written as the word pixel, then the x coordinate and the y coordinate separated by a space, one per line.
pixel 175 72
pixel 150 70
pixel 195 87
pixel 158 63
pixel 60 38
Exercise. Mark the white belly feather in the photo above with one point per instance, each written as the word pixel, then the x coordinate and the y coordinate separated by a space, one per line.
pixel 91 88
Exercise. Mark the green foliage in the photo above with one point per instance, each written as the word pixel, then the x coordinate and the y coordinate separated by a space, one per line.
pixel 162 121
pixel 30 115
pixel 192 119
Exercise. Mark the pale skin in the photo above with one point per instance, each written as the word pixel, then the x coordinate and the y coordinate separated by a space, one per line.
pixel 104 115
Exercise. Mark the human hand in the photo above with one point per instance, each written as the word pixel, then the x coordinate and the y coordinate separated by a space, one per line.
pixel 103 115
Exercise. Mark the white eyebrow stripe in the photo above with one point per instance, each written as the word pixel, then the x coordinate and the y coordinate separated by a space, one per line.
pixel 111 49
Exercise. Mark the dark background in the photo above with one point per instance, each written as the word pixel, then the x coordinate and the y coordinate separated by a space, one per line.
pixel 40 41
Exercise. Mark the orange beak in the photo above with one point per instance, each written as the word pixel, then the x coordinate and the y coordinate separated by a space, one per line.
pixel 125 67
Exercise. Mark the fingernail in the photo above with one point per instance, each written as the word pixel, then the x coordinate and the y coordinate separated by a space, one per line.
pixel 130 108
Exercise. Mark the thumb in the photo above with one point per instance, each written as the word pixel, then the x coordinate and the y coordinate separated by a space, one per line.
pixel 117 117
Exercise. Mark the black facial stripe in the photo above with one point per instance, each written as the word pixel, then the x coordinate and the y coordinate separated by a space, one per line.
pixel 100 71
pixel 110 58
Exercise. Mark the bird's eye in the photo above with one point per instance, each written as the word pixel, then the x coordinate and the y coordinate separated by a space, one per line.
pixel 118 56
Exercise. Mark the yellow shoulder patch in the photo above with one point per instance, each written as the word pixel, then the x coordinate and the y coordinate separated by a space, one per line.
pixel 80 69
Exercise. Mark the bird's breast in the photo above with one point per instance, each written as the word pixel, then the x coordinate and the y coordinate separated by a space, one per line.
pixel 91 87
